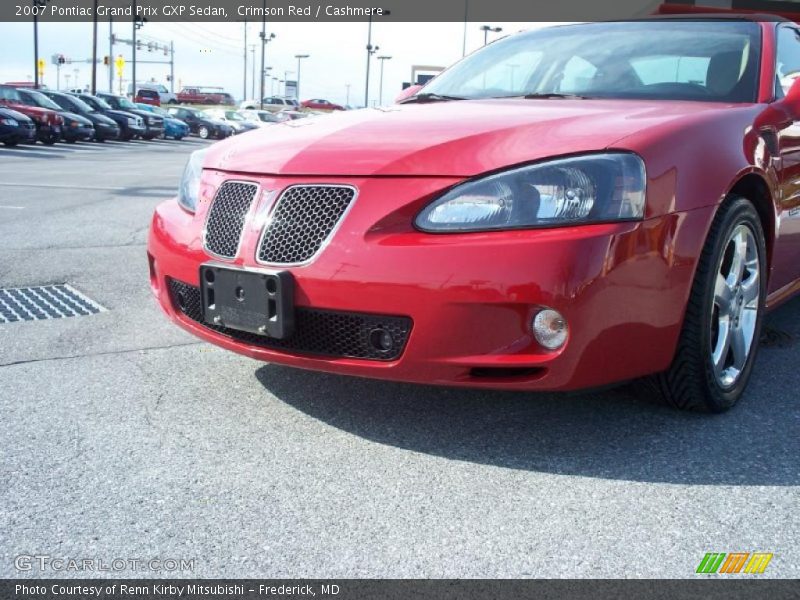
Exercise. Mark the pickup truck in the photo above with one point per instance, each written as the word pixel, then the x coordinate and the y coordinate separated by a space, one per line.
pixel 196 95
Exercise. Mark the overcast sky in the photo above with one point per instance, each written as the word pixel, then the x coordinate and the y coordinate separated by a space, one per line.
pixel 212 53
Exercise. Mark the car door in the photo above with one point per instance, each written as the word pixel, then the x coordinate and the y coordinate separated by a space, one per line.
pixel 786 262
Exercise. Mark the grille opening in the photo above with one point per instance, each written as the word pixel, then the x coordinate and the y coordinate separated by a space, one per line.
pixel 226 217
pixel 507 372
pixel 304 217
pixel 321 332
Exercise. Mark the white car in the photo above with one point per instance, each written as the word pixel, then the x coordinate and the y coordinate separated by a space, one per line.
pixel 272 104
pixel 231 118
pixel 262 118
pixel 164 94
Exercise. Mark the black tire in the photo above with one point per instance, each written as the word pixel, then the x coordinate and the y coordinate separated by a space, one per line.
pixel 50 140
pixel 691 383
pixel 203 132
pixel 10 143
pixel 70 141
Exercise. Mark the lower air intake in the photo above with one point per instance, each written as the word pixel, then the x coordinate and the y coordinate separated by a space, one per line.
pixel 322 332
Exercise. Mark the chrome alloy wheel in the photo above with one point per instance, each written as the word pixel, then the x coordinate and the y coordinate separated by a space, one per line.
pixel 737 299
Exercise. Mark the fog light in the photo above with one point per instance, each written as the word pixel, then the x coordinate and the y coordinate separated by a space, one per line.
pixel 550 329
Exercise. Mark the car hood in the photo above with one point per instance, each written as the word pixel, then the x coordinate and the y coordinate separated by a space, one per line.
pixel 9 113
pixel 76 117
pixel 97 117
pixel 120 113
pixel 459 139
pixel 144 114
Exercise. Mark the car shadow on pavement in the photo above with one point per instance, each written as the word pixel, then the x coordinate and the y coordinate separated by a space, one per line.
pixel 617 434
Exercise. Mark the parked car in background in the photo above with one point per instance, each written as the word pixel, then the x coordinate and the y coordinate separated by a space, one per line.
pixel 16 128
pixel 173 128
pixel 271 103
pixel 130 125
pixel 262 117
pixel 200 123
pixel 75 128
pixel 224 98
pixel 293 115
pixel 48 122
pixel 200 95
pixel 164 95
pixel 320 104
pixel 105 128
pixel 154 124
pixel 233 119
pixel 150 97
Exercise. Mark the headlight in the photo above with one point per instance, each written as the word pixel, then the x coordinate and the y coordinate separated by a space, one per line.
pixel 132 122
pixel 593 188
pixel 190 183
pixel 10 122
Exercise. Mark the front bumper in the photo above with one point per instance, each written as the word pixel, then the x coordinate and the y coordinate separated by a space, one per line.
pixel 470 297
pixel 83 132
pixel 153 131
pixel 103 131
pixel 17 135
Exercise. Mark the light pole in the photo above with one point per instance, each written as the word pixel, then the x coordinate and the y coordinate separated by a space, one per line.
pixel 299 57
pixel 272 86
pixel 37 4
pixel 383 60
pixel 347 86
pixel 253 57
pixel 486 29
pixel 76 72
pixel 244 83
pixel 466 16
pixel 370 51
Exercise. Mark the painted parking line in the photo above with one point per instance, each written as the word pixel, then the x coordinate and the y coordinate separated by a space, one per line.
pixel 11 207
pixel 61 187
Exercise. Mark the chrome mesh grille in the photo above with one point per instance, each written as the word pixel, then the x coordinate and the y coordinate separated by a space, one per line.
pixel 226 217
pixel 303 219
pixel 317 331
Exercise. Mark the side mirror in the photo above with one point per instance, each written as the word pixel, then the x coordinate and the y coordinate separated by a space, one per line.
pixel 782 113
pixel 792 100
pixel 408 92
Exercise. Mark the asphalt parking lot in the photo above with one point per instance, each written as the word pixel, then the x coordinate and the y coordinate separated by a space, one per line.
pixel 125 438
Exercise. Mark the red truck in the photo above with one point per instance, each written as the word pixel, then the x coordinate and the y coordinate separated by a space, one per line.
pixel 201 95
pixel 48 122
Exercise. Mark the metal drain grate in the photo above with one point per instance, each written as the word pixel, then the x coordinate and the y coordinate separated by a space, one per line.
pixel 44 302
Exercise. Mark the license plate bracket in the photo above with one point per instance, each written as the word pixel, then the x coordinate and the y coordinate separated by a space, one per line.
pixel 259 302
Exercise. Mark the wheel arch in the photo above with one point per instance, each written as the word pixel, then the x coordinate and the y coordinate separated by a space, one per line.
pixel 755 188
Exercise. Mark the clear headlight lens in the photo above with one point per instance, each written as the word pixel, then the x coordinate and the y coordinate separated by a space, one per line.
pixel 190 182
pixel 9 122
pixel 594 188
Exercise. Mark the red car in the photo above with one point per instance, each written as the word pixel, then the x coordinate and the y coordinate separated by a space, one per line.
pixel 320 104
pixel 150 97
pixel 622 204
pixel 48 122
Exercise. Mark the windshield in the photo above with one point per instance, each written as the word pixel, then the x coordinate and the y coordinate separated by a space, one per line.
pixel 233 116
pixel 9 94
pixel 713 61
pixel 126 104
pixel 268 117
pixel 42 101
pixel 159 111
pixel 96 103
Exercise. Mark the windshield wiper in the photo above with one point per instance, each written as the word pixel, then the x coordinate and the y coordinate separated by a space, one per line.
pixel 430 98
pixel 552 95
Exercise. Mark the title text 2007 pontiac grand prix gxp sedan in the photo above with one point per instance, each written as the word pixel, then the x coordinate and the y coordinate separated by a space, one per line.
pixel 566 208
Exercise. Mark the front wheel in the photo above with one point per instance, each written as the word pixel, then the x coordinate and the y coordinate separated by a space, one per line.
pixel 10 143
pixel 203 132
pixel 722 326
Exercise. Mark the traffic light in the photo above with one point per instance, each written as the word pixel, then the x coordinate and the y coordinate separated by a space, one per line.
pixel 138 44
pixel 61 59
pixel 149 46
pixel 106 60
